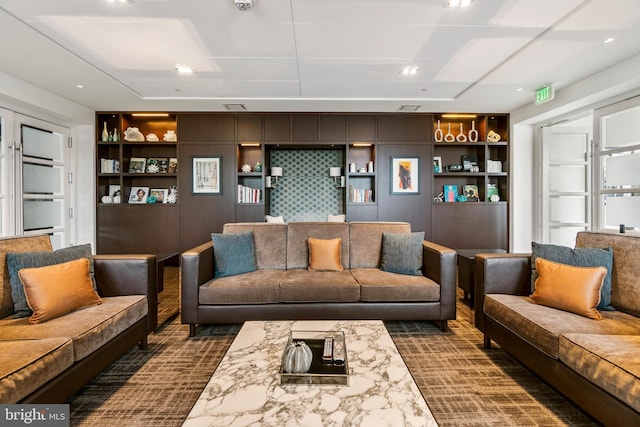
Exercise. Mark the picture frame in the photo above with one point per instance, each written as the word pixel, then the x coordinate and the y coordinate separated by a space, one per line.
pixel 471 193
pixel 437 164
pixel 450 193
pixel 405 177
pixel 206 175
pixel 157 165
pixel 160 194
pixel 139 195
pixel 137 164
pixel 173 165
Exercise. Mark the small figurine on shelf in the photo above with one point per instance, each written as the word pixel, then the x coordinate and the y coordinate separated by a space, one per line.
pixel 246 168
pixel 258 167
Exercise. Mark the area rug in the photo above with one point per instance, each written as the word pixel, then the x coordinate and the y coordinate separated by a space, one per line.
pixel 463 384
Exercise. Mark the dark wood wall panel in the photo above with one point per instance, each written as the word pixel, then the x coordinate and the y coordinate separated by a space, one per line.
pixel 413 208
pixel 362 128
pixel 277 127
pixel 333 128
pixel 206 127
pixel 405 128
pixel 305 127
pixel 470 226
pixel 249 127
pixel 202 214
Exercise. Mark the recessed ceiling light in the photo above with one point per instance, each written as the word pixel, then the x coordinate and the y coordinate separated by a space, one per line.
pixel 409 70
pixel 80 86
pixel 183 69
pixel 119 1
pixel 608 40
pixel 458 3
pixel 520 89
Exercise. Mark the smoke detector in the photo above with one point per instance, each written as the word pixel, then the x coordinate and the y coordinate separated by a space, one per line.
pixel 243 4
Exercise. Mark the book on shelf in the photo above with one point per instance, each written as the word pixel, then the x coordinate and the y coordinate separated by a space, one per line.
pixel 249 194
pixel 450 193
pixel 109 166
pixel 471 193
pixel 137 164
pixel 360 195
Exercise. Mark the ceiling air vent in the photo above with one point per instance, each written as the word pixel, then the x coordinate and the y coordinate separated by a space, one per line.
pixel 235 107
pixel 409 108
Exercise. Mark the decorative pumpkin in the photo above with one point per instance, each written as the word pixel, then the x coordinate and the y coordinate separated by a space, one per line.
pixel 297 358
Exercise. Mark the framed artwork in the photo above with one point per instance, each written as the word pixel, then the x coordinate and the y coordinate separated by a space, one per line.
pixel 160 194
pixel 471 193
pixel 437 164
pixel 138 194
pixel 137 164
pixel 405 175
pixel 206 175
pixel 450 193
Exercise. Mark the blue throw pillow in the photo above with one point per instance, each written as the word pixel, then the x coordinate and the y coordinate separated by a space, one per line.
pixel 233 254
pixel 580 257
pixel 18 261
pixel 402 253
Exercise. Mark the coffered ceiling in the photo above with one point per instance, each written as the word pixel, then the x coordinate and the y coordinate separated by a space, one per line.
pixel 312 55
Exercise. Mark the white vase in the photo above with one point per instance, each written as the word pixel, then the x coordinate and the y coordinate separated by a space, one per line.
pixel 105 133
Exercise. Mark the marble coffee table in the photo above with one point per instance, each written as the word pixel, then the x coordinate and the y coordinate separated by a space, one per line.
pixel 245 389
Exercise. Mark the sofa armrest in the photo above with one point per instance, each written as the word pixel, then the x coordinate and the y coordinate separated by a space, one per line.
pixel 118 275
pixel 197 268
pixel 508 273
pixel 439 265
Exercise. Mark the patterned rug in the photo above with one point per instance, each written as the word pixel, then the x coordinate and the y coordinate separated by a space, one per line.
pixel 463 384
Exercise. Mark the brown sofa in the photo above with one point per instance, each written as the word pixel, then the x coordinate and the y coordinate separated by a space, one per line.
pixel 283 288
pixel 595 363
pixel 48 362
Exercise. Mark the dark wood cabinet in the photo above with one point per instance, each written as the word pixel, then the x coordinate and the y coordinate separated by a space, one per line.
pixel 368 141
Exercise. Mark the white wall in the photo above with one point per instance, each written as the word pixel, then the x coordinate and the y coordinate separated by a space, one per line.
pixel 24 98
pixel 523 190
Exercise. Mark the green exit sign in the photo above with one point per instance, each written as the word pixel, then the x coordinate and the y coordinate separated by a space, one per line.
pixel 544 94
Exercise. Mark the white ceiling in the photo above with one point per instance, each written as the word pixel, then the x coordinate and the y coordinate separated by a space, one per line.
pixel 312 55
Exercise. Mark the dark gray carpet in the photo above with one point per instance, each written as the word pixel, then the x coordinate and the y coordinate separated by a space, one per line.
pixel 463 384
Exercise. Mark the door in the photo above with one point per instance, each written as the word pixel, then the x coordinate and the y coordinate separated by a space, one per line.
pixel 566 184
pixel 41 180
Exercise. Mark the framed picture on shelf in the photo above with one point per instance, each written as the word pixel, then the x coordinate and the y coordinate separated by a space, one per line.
pixel 437 164
pixel 173 165
pixel 138 195
pixel 137 164
pixel 157 165
pixel 471 193
pixel 405 175
pixel 114 191
pixel 160 194
pixel 206 175
pixel 450 193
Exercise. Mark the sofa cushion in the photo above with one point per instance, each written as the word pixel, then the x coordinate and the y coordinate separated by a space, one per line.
pixel 381 286
pixel 609 361
pixel 89 329
pixel 302 285
pixel 324 254
pixel 26 365
pixel 625 286
pixel 269 240
pixel 336 218
pixel 366 241
pixel 274 219
pixel 16 244
pixel 19 260
pixel 542 326
pixel 580 257
pixel 58 289
pixel 402 253
pixel 298 234
pixel 569 288
pixel 233 253
pixel 257 287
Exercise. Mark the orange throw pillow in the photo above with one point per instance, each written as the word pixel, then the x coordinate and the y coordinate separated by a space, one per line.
pixel 569 288
pixel 325 254
pixel 58 289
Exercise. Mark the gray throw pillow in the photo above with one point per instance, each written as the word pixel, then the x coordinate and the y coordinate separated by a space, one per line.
pixel 580 257
pixel 233 254
pixel 402 253
pixel 18 261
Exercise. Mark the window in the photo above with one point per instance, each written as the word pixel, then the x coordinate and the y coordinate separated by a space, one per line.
pixel 618 160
